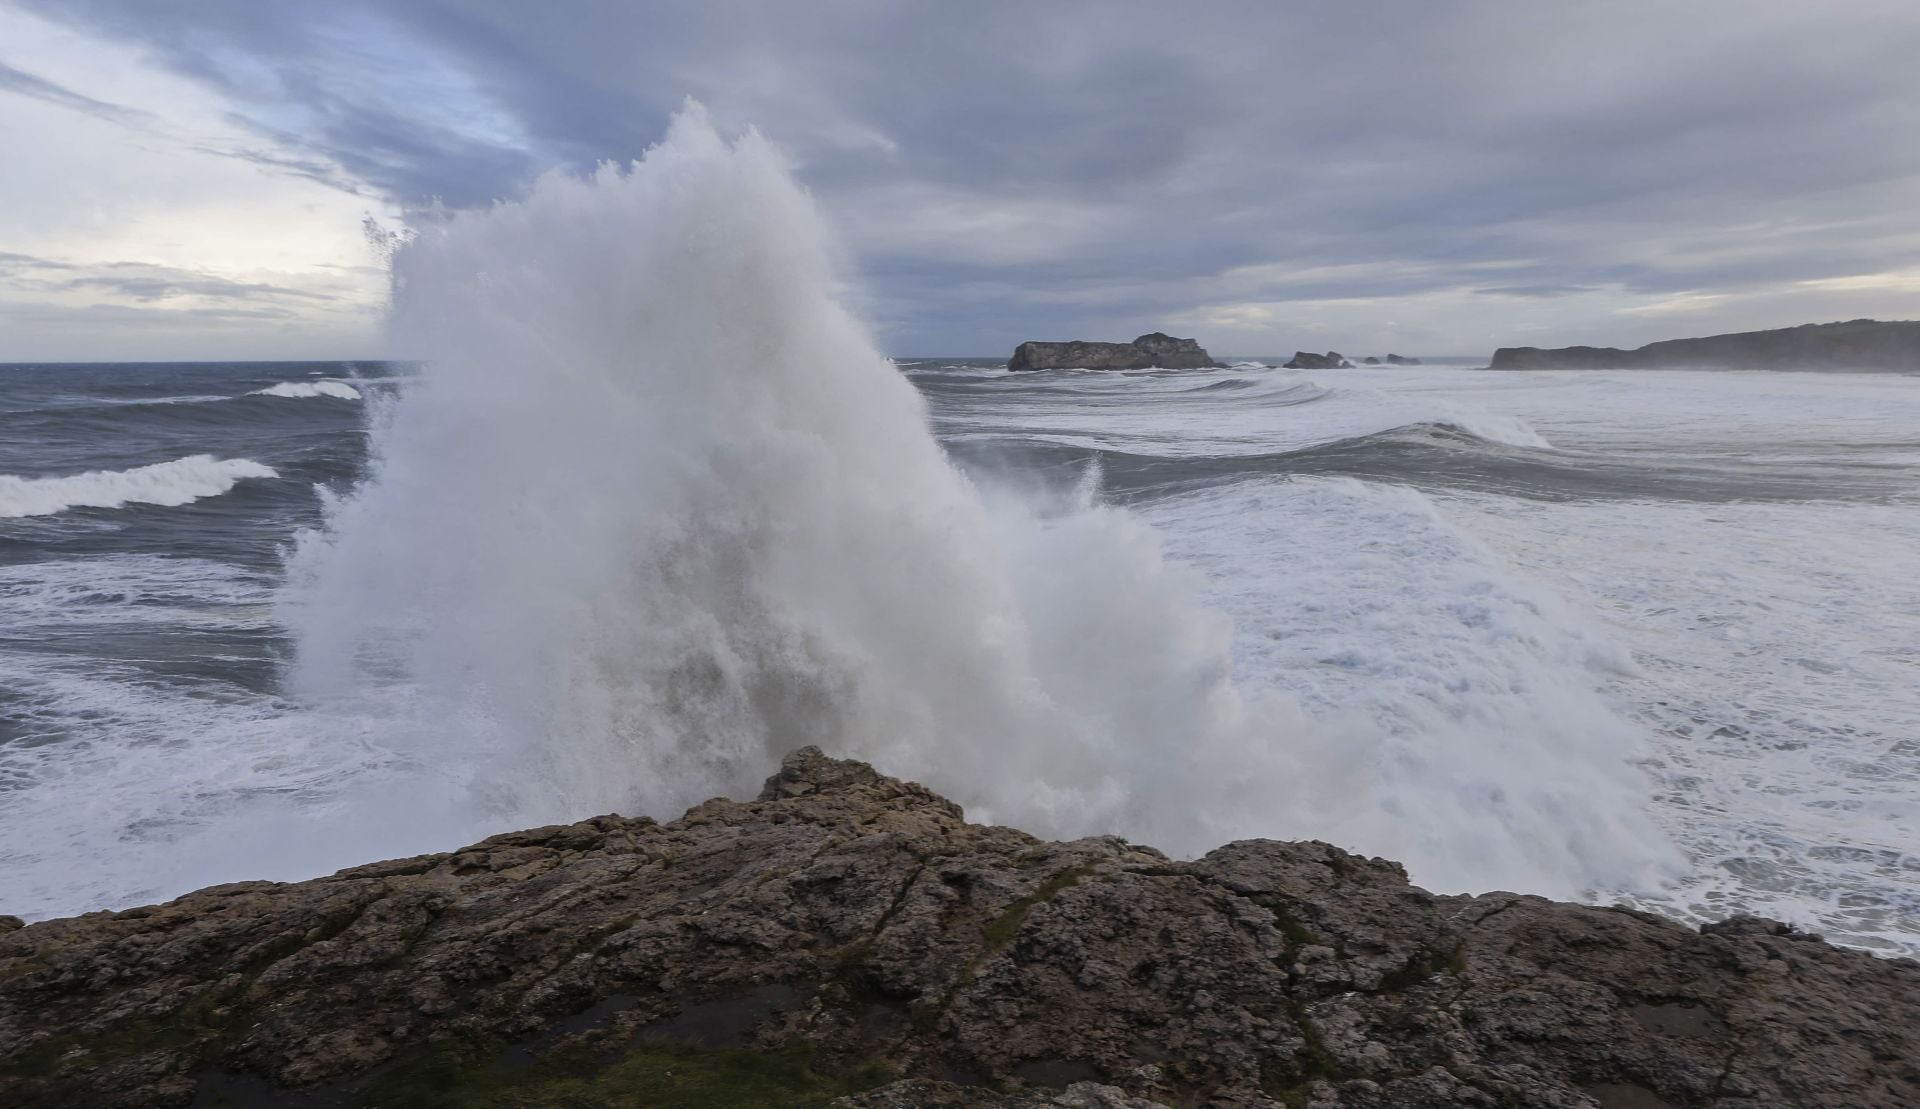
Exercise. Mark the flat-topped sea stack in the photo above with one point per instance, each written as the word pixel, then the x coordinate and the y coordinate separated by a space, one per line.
pixel 848 939
pixel 1154 350
pixel 1853 345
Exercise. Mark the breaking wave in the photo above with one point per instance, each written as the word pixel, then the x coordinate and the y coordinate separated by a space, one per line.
pixel 338 390
pixel 656 510
pixel 181 481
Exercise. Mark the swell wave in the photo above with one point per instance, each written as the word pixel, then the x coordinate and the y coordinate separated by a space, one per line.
pixel 1281 393
pixel 1417 453
pixel 181 481
pixel 1435 455
pixel 1443 434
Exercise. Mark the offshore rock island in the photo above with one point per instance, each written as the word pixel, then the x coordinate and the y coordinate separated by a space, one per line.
pixel 1307 360
pixel 1853 345
pixel 1154 350
pixel 849 939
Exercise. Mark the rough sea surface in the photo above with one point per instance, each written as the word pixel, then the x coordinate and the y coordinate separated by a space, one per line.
pixel 1481 571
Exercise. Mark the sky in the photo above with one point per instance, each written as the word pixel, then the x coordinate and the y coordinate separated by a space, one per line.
pixel 193 179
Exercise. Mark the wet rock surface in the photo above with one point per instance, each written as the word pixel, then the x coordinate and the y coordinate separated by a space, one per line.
pixel 849 939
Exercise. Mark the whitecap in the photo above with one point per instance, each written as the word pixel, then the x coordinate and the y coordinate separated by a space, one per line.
pixel 181 481
pixel 338 390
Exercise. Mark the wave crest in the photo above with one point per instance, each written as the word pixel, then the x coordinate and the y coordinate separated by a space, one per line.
pixel 181 481
pixel 338 390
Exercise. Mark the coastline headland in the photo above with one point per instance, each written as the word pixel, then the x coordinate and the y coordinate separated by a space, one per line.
pixel 1853 345
pixel 850 939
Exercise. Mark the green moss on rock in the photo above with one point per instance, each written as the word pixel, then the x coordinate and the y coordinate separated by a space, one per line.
pixel 1001 931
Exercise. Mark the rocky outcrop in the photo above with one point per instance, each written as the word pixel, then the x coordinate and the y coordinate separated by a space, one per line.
pixel 1854 345
pixel 1397 360
pixel 1154 350
pixel 1307 360
pixel 1567 358
pixel 849 936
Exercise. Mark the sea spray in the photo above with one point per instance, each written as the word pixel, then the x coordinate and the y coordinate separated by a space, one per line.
pixel 656 510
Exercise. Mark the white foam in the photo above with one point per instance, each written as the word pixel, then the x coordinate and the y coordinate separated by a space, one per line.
pixel 1499 760
pixel 338 390
pixel 181 481
pixel 123 790
pixel 123 589
pixel 119 788
pixel 1777 646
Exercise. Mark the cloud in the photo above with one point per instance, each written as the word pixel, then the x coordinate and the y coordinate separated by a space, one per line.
pixel 26 84
pixel 137 281
pixel 10 261
pixel 149 126
pixel 1005 169
pixel 142 222
pixel 28 315
pixel 1535 291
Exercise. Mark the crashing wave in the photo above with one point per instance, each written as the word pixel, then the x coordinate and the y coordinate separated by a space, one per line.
pixel 181 481
pixel 656 511
pixel 338 390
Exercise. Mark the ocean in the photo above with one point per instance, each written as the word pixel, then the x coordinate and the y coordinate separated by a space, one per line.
pixel 649 508
pixel 1711 570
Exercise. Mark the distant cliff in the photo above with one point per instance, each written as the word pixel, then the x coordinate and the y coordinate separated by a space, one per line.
pixel 1155 349
pixel 1854 345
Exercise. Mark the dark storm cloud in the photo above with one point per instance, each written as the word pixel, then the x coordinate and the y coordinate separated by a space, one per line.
pixel 1004 170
